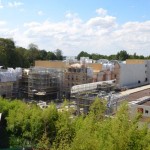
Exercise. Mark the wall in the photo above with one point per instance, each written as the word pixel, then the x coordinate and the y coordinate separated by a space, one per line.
pixel 136 108
pixel 131 74
pixel 95 66
pixel 135 61
pixel 148 70
pixel 50 64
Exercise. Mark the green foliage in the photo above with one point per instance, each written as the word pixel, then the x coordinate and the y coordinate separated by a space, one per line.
pixel 64 129
pixel 51 56
pixel 29 126
pixel 43 143
pixel 122 55
pixel 12 56
pixel 83 54
pixel 7 52
pixel 118 133
pixel 58 54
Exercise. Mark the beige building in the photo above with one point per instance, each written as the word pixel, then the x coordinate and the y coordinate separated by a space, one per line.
pixel 141 106
pixel 96 67
pixel 76 74
pixel 73 73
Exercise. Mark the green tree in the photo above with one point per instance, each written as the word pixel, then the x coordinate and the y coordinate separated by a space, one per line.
pixel 8 57
pixel 58 54
pixel 83 54
pixel 65 129
pixel 122 55
pixel 42 55
pixel 51 56
pixel 112 57
pixel 32 53
pixel 22 59
pixel 43 143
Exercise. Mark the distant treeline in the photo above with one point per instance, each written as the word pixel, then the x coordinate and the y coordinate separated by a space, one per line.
pixel 14 56
pixel 122 55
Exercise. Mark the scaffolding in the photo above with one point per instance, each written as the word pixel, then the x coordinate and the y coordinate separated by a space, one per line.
pixel 6 89
pixel 85 94
pixel 24 83
pixel 42 83
pixel 9 82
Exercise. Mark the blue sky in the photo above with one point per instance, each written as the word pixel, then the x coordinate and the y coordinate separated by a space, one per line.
pixel 98 26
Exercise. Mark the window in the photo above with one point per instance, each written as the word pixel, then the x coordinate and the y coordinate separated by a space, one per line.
pixel 140 110
pixel 145 79
pixel 146 111
pixel 139 81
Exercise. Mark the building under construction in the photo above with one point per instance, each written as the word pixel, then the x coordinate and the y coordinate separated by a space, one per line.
pixel 54 81
pixel 42 83
pixel 76 74
pixel 85 94
pixel 9 82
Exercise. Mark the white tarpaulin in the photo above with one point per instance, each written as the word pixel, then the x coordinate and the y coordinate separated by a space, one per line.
pixel 10 75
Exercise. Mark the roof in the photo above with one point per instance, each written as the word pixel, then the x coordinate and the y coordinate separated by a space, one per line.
pixel 141 101
pixel 147 103
pixel 77 65
pixel 131 91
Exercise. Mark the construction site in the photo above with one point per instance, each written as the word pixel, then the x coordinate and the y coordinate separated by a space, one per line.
pixel 10 82
pixel 41 83
pixel 78 81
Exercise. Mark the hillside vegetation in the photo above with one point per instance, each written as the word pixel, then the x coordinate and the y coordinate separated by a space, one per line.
pixel 26 125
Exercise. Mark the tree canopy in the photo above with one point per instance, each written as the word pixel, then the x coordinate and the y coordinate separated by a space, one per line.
pixel 27 125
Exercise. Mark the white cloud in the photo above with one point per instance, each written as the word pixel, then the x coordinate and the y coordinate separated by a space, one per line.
pixel 101 12
pixel 70 15
pixel 1 5
pixel 100 34
pixel 14 4
pixel 2 23
pixel 40 13
pixel 102 22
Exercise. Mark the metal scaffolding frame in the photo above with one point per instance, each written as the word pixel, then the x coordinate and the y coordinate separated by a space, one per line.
pixel 85 94
pixel 42 82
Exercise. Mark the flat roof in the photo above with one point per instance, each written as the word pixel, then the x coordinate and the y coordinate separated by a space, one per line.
pixel 146 87
pixel 136 93
pixel 147 103
pixel 139 94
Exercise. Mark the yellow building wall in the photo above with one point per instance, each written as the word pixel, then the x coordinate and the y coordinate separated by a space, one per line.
pixel 96 67
pixel 135 61
pixel 59 64
pixel 50 64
